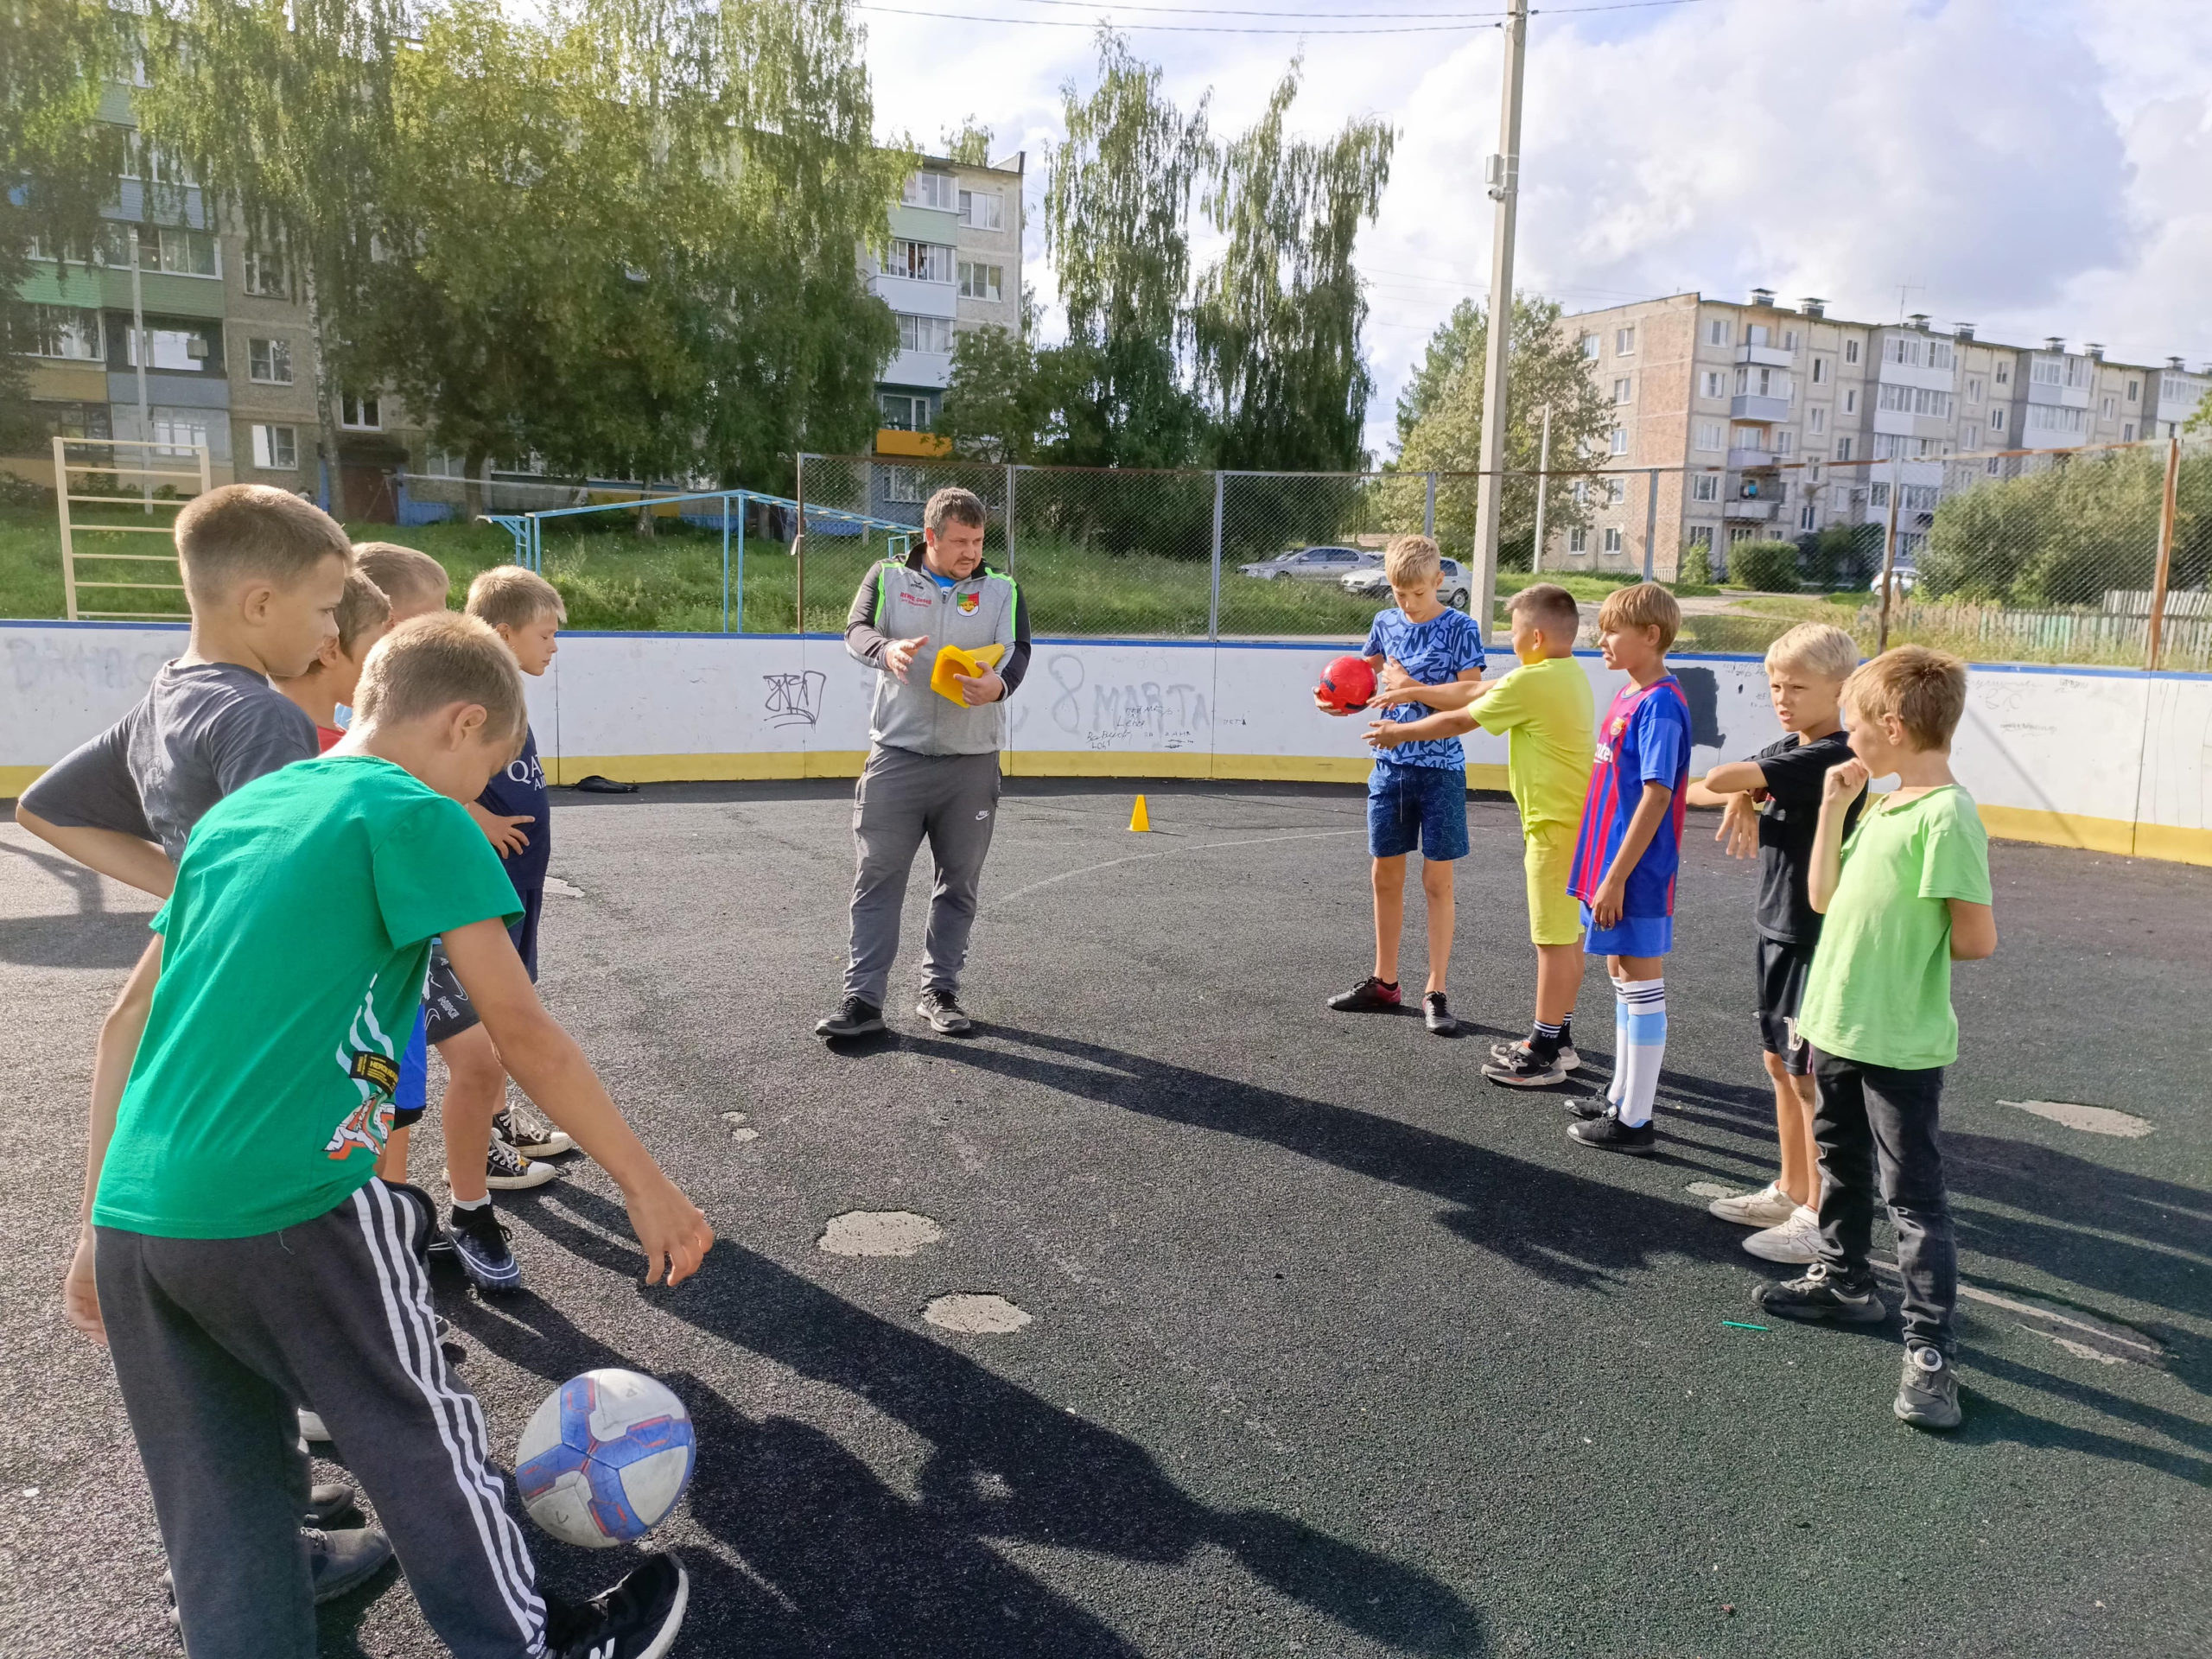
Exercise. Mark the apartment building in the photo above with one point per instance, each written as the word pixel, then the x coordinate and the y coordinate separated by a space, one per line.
pixel 953 264
pixel 1749 421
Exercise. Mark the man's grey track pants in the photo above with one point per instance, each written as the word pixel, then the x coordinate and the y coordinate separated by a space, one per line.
pixel 953 799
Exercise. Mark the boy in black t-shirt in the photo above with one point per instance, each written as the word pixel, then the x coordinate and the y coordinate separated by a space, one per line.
pixel 1773 802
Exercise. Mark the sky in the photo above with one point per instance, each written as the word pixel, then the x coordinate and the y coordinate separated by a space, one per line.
pixel 2032 166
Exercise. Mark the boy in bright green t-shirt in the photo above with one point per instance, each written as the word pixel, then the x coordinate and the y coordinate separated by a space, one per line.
pixel 1903 896
pixel 239 1253
pixel 1545 709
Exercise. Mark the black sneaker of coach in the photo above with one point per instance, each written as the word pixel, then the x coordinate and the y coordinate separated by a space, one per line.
pixel 854 1018
pixel 479 1239
pixel 1822 1294
pixel 1436 1015
pixel 531 1136
pixel 1928 1391
pixel 1609 1134
pixel 1370 996
pixel 637 1619
pixel 945 1016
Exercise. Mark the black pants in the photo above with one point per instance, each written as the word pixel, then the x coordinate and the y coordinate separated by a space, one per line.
pixel 214 1339
pixel 1876 1129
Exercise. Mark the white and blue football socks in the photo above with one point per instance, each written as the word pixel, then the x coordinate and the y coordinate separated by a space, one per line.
pixel 1640 1040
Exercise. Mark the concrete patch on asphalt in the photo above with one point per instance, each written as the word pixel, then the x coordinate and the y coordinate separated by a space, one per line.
pixel 976 1315
pixel 737 1131
pixel 554 884
pixel 2082 1335
pixel 1710 1190
pixel 878 1232
pixel 2091 1120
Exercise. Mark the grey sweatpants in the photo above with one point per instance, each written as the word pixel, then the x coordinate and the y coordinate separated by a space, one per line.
pixel 954 800
pixel 214 1339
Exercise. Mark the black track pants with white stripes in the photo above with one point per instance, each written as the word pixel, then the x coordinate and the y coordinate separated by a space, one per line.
pixel 214 1339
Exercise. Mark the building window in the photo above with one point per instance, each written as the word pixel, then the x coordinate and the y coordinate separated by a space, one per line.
pixel 1851 400
pixel 1941 355
pixel 2110 409
pixel 1714 384
pixel 1805 517
pixel 984 210
pixel 924 262
pixel 1997 420
pixel 1843 448
pixel 168 248
pixel 1578 541
pixel 1708 434
pixel 1915 400
pixel 1741 534
pixel 62 331
pixel 1851 350
pixel 1620 440
pixel 1909 544
pixel 2134 390
pixel 1616 492
pixel 1624 342
pixel 1624 391
pixel 276 449
pixel 981 282
pixel 1973 389
pixel 269 361
pixel 1819 371
pixel 1785 442
pixel 1919 498
pixel 1763 382
pixel 1747 437
pixel 2045 371
pixel 933 190
pixel 904 484
pixel 2078 372
pixel 1816 420
pixel 1790 342
pixel 925 334
pixel 178 351
pixel 1720 332
pixel 265 275
pixel 1878 496
pixel 2049 418
pixel 1700 536
pixel 359 413
pixel 906 412
pixel 1888 446
pixel 1705 486
pixel 175 433
pixel 1612 538
pixel 2128 432
pixel 1590 345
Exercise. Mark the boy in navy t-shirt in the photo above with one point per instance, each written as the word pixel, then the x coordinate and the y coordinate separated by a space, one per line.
pixel 1629 850
pixel 1417 794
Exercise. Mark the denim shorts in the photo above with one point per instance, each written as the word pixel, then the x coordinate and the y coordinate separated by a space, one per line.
pixel 1632 936
pixel 1423 807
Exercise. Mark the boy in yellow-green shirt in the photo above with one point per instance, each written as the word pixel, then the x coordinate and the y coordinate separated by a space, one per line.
pixel 1546 709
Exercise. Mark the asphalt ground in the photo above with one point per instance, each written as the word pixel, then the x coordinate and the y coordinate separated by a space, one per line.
pixel 1336 1347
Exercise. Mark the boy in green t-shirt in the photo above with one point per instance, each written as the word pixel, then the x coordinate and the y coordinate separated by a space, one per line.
pixel 239 1254
pixel 1903 896
pixel 1546 707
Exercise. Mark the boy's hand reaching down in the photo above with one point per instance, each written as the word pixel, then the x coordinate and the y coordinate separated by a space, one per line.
pixel 1739 827
pixel 81 1291
pixel 675 1233
pixel 503 833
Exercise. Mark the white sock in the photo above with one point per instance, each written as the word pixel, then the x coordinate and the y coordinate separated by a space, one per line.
pixel 1643 1015
pixel 1620 1044
pixel 472 1203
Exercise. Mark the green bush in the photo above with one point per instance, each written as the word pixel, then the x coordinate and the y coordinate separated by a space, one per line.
pixel 1695 565
pixel 1763 566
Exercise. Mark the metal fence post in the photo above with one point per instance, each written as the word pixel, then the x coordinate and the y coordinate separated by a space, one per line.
pixel 2163 571
pixel 1213 608
pixel 798 539
pixel 1651 520
pixel 742 499
pixel 725 564
pixel 1009 518
pixel 1428 511
pixel 1544 489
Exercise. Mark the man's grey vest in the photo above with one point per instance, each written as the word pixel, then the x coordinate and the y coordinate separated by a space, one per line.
pixel 977 611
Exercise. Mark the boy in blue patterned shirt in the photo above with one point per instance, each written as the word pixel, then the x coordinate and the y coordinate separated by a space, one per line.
pixel 1417 794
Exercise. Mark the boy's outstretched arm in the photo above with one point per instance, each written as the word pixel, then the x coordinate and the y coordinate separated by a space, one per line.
pixel 1389 733
pixel 129 859
pixel 1394 685
pixel 111 1062
pixel 1612 892
pixel 545 1060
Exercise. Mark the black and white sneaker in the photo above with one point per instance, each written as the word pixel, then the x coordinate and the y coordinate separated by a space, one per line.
pixel 530 1136
pixel 1436 1015
pixel 1588 1106
pixel 1502 1053
pixel 637 1619
pixel 1608 1134
pixel 506 1170
pixel 854 1018
pixel 1820 1293
pixel 479 1240
pixel 1520 1065
pixel 1928 1391
pixel 944 1014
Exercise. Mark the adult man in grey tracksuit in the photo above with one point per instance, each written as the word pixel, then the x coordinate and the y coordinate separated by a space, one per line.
pixel 933 764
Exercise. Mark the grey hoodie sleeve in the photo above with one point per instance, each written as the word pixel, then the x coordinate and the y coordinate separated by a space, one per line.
pixel 1017 660
pixel 863 639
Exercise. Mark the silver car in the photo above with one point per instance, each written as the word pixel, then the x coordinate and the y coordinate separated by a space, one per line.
pixel 1457 591
pixel 1311 564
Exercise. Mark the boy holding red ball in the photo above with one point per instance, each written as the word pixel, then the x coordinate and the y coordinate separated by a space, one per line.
pixel 1417 794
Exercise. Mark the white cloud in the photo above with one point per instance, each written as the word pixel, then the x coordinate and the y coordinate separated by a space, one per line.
pixel 2034 169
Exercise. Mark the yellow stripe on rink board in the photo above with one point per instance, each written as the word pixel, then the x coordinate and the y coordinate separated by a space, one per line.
pixel 2173 844
pixel 2060 829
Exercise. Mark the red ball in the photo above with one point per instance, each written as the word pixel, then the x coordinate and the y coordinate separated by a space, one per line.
pixel 1347 683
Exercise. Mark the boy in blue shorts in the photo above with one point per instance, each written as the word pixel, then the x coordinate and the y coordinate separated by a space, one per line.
pixel 1625 857
pixel 1417 794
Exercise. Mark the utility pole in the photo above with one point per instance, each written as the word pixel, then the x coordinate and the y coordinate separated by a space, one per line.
pixel 138 362
pixel 1543 488
pixel 1505 191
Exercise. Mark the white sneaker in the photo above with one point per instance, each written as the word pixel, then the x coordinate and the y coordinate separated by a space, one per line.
pixel 1767 1207
pixel 311 1427
pixel 1797 1239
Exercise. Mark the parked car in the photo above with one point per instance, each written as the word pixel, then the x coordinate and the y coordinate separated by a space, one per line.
pixel 1311 564
pixel 1903 579
pixel 1458 591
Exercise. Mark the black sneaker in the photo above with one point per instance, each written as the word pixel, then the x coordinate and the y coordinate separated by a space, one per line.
pixel 1436 1015
pixel 345 1560
pixel 528 1136
pixel 1822 1294
pixel 1521 1065
pixel 637 1619
pixel 1928 1392
pixel 479 1240
pixel 1502 1053
pixel 945 1016
pixel 329 1503
pixel 1588 1106
pixel 1608 1134
pixel 1370 996
pixel 855 1019
pixel 506 1170
pixel 434 1241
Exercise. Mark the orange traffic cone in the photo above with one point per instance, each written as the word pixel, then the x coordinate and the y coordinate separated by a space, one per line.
pixel 1140 820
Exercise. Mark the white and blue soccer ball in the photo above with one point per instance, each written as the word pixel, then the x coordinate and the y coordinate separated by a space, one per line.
pixel 605 1459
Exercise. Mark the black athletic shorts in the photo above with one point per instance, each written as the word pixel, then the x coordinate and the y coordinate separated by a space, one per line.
pixel 444 1001
pixel 1783 969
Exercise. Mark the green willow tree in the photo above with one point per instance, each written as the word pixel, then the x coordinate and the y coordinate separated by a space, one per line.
pixel 1276 321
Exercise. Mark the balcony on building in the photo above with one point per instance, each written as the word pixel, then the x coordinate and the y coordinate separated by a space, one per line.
pixel 1771 355
pixel 1750 406
pixel 1750 460
pixel 1744 511
pixel 921 445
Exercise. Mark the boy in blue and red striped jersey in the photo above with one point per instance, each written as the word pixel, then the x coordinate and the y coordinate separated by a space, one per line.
pixel 1625 858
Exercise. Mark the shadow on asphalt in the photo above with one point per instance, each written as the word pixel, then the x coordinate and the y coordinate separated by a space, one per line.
pixel 848 1564
pixel 94 938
